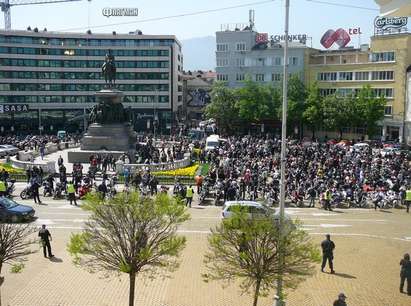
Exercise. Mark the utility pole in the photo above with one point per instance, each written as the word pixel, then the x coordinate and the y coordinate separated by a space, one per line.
pixel 280 295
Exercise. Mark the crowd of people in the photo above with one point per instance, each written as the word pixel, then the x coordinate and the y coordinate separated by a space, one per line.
pixel 34 142
pixel 335 174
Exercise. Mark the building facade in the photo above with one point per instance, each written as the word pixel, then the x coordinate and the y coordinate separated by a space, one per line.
pixel 243 54
pixel 55 75
pixel 384 65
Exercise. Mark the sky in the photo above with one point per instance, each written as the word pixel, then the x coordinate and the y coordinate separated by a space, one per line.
pixel 306 17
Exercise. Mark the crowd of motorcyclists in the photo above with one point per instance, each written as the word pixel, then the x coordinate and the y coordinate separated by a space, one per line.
pixel 335 174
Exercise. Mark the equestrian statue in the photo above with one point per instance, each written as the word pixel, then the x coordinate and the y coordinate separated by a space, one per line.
pixel 109 70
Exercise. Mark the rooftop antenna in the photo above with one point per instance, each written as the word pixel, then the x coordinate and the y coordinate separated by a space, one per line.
pixel 251 14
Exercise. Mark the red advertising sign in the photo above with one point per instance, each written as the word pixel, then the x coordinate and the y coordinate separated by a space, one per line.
pixel 341 37
pixel 261 38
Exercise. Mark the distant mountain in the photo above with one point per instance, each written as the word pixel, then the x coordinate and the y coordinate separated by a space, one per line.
pixel 199 53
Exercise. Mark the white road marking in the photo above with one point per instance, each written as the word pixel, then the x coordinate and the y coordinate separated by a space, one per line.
pixel 323 214
pixel 45 221
pixel 334 225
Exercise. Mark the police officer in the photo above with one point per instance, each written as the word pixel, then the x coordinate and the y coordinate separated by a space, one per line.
pixel 328 247
pixel 71 191
pixel 3 188
pixel 45 237
pixel 328 196
pixel 189 195
pixel 408 198
pixel 341 300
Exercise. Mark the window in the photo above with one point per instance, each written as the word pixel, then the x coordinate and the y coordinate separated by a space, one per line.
pixel 388 111
pixel 293 61
pixel 345 76
pixel 222 62
pixel 327 91
pixel 327 76
pixel 241 46
pixel 259 77
pixel 260 62
pixel 382 75
pixel 276 77
pixel 383 57
pixel 222 47
pixel 383 92
pixel 240 77
pixel 362 76
pixel 240 62
pixel 222 77
pixel 277 61
pixel 344 92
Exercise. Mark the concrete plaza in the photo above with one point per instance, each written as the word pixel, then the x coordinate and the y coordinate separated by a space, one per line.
pixel 369 246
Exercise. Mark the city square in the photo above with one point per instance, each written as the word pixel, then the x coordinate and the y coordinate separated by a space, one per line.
pixel 268 164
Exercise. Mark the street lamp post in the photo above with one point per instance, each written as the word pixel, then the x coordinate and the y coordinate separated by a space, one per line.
pixel 279 298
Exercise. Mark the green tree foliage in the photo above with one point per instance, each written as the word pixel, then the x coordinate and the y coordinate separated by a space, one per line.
pixel 338 113
pixel 256 102
pixel 130 234
pixel 297 95
pixel 15 245
pixel 314 112
pixel 369 109
pixel 246 249
pixel 223 106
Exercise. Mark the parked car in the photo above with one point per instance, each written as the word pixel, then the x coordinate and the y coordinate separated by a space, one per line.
pixel 8 150
pixel 389 151
pixel 254 209
pixel 14 212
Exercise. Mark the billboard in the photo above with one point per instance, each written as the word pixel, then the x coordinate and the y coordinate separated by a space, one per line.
pixel 390 25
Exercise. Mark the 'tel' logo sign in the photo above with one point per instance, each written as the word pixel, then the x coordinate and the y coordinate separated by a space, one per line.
pixel 340 37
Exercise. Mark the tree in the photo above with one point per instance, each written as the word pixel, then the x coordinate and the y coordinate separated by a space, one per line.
pixel 338 113
pixel 223 106
pixel 14 244
pixel 257 102
pixel 130 234
pixel 247 249
pixel 313 113
pixel 369 109
pixel 297 95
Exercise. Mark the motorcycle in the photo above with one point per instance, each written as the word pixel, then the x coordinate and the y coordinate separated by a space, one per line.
pixel 58 192
pixel 27 193
pixel 84 190
pixel 10 188
pixel 47 189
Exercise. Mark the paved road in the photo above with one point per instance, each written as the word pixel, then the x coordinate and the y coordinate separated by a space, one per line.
pixel 369 247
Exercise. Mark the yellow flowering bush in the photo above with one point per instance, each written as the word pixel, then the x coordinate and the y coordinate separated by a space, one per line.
pixel 10 169
pixel 188 171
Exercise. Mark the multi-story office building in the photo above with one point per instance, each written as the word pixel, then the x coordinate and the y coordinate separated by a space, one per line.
pixel 56 75
pixel 385 65
pixel 243 54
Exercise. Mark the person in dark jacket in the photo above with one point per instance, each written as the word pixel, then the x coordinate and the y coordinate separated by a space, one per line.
pixel 341 300
pixel 328 247
pixel 405 273
pixel 45 237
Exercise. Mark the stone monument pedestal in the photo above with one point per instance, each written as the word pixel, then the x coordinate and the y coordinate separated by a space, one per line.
pixel 110 133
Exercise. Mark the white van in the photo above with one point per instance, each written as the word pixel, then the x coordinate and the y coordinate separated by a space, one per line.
pixel 253 209
pixel 212 142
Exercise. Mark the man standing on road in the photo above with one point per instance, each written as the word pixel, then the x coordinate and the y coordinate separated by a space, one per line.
pixel 408 198
pixel 189 195
pixel 35 185
pixel 328 247
pixel 328 196
pixel 45 237
pixel 71 191
pixel 312 194
pixel 3 188
pixel 341 300
pixel 405 273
